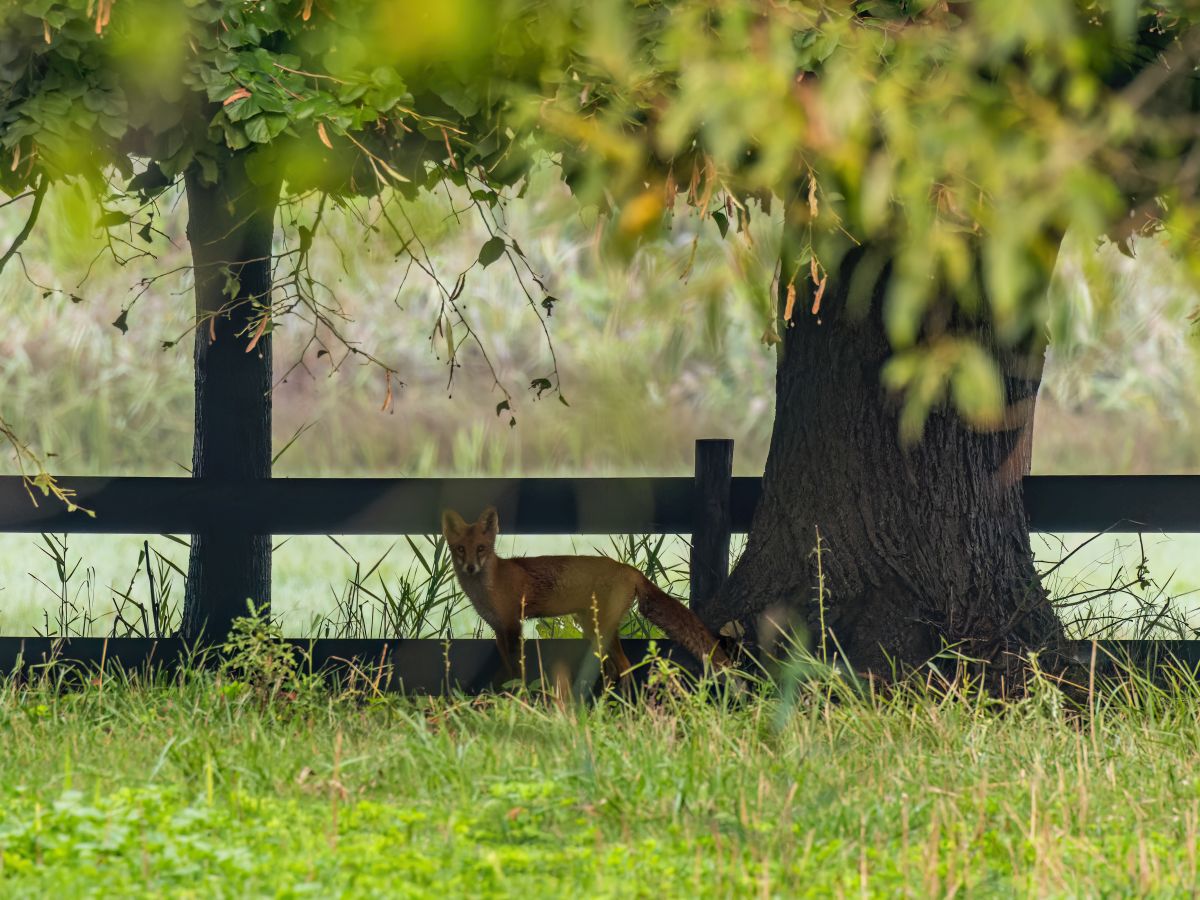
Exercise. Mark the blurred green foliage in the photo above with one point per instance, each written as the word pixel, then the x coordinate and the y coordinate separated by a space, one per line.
pixel 345 97
pixel 958 141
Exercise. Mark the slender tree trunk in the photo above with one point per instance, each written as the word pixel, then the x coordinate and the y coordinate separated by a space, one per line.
pixel 230 226
pixel 922 545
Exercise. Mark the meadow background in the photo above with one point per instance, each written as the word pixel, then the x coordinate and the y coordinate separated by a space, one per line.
pixel 655 347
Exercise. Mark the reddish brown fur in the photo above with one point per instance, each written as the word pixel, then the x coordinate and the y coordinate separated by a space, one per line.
pixel 595 590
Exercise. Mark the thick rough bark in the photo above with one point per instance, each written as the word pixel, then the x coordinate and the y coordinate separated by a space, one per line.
pixel 923 545
pixel 230 225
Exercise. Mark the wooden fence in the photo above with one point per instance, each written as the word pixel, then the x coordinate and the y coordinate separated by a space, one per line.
pixel 710 506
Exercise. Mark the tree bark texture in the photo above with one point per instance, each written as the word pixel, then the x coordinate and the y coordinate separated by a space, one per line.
pixel 923 546
pixel 230 227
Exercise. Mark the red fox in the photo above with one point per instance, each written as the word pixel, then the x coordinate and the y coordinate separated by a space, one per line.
pixel 596 590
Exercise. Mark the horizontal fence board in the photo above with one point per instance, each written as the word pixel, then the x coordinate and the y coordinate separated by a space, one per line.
pixel 431 666
pixel 1083 503
pixel 1124 503
pixel 415 666
pixel 355 505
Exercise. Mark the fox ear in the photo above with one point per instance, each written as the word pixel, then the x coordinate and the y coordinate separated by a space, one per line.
pixel 452 525
pixel 489 520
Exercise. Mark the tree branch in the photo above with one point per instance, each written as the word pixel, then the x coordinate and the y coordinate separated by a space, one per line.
pixel 34 474
pixel 38 196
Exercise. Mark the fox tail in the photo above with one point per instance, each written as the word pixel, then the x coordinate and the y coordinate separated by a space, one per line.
pixel 679 623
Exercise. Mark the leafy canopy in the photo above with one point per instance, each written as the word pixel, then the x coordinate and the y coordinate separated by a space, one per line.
pixel 957 141
pixel 344 97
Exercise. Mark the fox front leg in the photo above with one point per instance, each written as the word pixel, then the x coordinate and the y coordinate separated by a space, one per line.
pixel 508 642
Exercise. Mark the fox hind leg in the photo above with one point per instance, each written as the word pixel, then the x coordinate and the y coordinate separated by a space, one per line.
pixel 606 646
pixel 585 678
pixel 610 625
pixel 601 626
pixel 617 662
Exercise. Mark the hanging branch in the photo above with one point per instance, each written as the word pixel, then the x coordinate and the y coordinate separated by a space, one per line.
pixel 34 474
pixel 39 195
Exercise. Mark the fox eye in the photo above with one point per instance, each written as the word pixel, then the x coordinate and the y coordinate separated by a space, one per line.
pixel 480 548
pixel 460 549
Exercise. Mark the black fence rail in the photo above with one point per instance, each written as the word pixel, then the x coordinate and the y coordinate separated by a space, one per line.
pixel 1058 503
pixel 710 507
pixel 413 665
pixel 468 665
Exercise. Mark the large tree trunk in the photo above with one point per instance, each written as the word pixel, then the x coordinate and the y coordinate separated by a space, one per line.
pixel 230 226
pixel 922 546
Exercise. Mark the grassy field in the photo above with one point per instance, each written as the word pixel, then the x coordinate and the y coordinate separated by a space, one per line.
pixel 207 787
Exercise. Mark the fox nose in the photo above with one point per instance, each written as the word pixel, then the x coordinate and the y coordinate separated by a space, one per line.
pixel 471 568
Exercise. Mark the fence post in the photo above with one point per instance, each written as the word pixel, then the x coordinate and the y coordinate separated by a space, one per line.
pixel 711 520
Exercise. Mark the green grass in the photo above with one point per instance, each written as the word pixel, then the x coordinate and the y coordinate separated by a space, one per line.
pixel 203 787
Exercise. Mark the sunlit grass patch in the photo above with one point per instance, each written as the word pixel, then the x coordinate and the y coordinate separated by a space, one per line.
pixel 181 785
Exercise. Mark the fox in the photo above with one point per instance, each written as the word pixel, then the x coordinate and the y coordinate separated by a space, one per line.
pixel 595 590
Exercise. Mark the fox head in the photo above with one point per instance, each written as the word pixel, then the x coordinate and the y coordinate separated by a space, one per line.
pixel 471 545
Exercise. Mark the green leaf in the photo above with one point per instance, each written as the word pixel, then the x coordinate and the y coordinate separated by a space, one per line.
pixel 352 92
pixel 241 110
pixel 208 169
pixel 235 137
pixel 313 106
pixel 722 222
pixel 269 101
pixel 263 127
pixel 387 76
pixel 232 283
pixel 491 251
pixel 148 182
pixel 977 388
pixel 899 371
pixel 95 100
pixel 217 89
pixel 113 127
pixel 111 218
pixel 122 322
pixel 38 8
pixel 276 124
